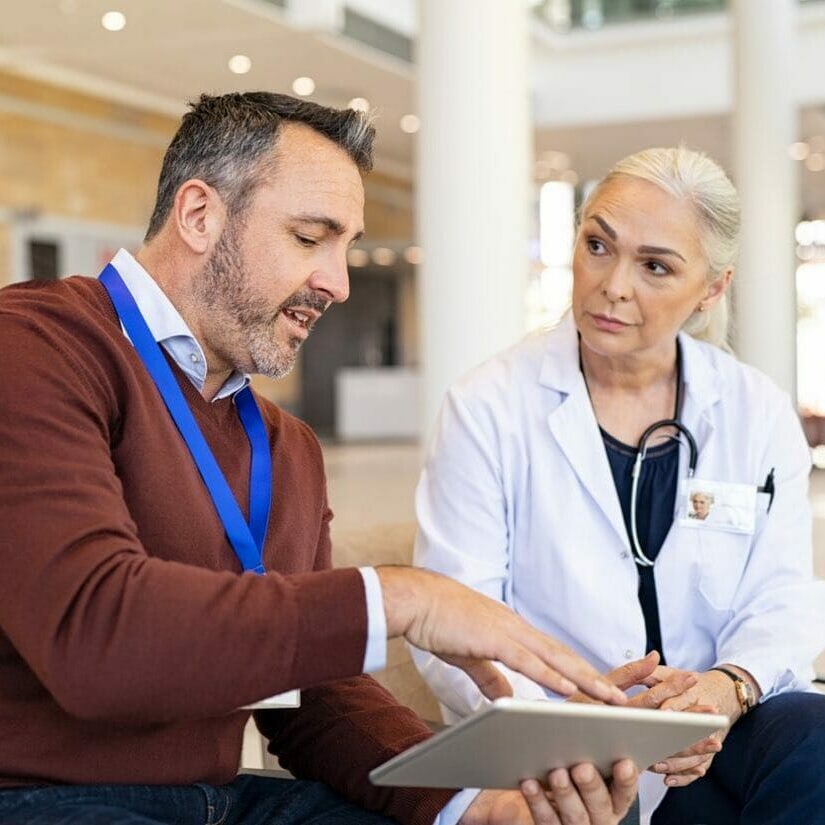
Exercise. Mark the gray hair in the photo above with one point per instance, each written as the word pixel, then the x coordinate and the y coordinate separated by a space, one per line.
pixel 227 142
pixel 692 175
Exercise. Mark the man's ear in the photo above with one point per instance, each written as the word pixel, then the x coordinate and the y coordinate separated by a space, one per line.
pixel 198 215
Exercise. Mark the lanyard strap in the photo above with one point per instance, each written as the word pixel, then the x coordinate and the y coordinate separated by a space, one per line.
pixel 246 539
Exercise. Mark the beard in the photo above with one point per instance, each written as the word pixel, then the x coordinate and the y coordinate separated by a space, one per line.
pixel 241 322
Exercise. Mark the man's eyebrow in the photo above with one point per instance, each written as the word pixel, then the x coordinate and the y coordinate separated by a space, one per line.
pixel 609 230
pixel 659 250
pixel 336 227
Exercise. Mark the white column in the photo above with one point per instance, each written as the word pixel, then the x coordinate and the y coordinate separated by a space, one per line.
pixel 764 127
pixel 472 180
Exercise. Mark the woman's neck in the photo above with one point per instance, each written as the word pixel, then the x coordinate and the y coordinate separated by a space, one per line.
pixel 629 393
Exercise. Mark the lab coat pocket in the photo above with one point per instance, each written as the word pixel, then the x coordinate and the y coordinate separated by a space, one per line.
pixel 722 557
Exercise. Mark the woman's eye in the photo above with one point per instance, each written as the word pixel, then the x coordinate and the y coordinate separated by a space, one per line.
pixel 595 246
pixel 657 268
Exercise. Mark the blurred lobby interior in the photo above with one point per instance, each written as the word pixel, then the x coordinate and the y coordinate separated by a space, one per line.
pixel 494 118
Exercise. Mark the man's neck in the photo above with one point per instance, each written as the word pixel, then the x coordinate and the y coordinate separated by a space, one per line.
pixel 166 270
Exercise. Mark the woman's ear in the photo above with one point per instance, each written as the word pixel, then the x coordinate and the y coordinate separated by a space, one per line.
pixel 717 289
pixel 198 215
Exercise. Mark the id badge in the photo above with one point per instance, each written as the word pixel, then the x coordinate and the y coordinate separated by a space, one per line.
pixel 290 699
pixel 718 505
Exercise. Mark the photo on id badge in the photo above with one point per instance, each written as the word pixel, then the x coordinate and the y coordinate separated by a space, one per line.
pixel 718 505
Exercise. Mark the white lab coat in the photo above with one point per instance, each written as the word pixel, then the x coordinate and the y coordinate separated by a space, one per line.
pixel 517 500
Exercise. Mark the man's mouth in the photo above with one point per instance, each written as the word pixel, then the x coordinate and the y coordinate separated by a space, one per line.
pixel 303 319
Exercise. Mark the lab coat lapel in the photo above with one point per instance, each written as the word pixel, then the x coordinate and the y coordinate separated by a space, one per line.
pixel 702 391
pixel 573 424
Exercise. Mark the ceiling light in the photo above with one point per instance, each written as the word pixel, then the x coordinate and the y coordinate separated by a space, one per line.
pixel 410 124
pixel 239 64
pixel 799 150
pixel 358 257
pixel 383 256
pixel 303 86
pixel 113 21
pixel 359 104
pixel 413 255
pixel 815 162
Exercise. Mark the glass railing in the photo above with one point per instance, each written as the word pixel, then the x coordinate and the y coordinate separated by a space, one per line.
pixel 563 15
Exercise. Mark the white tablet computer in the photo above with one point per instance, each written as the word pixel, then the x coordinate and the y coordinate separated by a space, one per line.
pixel 511 740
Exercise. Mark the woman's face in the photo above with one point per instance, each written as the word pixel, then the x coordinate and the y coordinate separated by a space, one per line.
pixel 639 270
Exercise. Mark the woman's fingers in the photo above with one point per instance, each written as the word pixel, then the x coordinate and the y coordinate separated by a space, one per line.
pixel 659 695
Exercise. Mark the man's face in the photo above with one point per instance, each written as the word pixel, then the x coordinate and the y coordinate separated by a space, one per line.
pixel 278 267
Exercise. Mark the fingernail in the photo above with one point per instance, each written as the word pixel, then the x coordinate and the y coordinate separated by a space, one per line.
pixel 530 787
pixel 661 767
pixel 671 780
pixel 559 781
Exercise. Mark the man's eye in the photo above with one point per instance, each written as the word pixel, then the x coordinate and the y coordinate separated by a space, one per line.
pixel 595 246
pixel 304 241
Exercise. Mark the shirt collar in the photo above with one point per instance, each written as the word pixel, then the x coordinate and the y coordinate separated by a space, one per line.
pixel 168 327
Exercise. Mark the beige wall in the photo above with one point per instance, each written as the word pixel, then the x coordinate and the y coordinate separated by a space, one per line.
pixel 69 155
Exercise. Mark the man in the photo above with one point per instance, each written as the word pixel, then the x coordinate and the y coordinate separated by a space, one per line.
pixel 130 638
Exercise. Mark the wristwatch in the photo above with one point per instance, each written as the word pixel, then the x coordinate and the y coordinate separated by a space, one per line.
pixel 744 690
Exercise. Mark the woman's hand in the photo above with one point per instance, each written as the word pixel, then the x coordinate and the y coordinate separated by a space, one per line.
pixel 712 692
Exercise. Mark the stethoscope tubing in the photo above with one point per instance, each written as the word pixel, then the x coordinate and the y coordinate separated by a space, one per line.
pixel 639 556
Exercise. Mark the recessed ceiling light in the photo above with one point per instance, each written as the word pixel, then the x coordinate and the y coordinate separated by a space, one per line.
pixel 816 162
pixel 359 104
pixel 413 255
pixel 239 64
pixel 799 150
pixel 303 86
pixel 410 124
pixel 358 257
pixel 113 21
pixel 383 256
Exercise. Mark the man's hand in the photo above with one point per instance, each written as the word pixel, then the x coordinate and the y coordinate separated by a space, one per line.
pixel 662 686
pixel 471 631
pixel 579 796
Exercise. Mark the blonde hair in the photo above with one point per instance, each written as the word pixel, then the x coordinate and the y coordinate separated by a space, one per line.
pixel 692 175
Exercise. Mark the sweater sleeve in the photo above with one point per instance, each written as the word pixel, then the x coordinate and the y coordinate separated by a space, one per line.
pixel 340 733
pixel 110 631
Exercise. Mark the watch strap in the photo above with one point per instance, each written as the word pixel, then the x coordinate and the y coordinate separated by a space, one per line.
pixel 744 692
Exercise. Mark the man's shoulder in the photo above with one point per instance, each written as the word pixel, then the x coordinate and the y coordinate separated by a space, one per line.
pixel 74 302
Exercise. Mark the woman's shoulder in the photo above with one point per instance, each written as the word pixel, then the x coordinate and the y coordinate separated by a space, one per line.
pixel 739 381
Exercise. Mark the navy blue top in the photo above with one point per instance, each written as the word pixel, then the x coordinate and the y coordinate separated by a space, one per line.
pixel 655 502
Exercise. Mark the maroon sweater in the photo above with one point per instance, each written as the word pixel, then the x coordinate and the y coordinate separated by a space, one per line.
pixel 128 635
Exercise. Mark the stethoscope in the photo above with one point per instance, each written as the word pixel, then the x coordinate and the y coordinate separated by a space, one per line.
pixel 638 554
pixel 641 452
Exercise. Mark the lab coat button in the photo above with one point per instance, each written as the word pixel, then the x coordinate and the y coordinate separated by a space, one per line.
pixel 628 654
pixel 625 555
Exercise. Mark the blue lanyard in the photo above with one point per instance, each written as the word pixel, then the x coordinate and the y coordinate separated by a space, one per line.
pixel 247 540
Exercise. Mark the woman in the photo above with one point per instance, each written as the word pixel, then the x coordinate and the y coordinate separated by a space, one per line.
pixel 526 495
